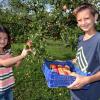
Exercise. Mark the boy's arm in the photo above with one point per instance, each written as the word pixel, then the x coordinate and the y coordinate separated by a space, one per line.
pixel 84 80
pixel 95 77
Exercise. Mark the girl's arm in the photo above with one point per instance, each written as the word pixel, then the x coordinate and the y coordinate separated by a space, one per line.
pixel 18 63
pixel 14 60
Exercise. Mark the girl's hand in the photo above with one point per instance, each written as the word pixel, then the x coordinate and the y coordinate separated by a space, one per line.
pixel 79 82
pixel 25 52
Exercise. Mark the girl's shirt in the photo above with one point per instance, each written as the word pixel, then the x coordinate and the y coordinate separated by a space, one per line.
pixel 6 74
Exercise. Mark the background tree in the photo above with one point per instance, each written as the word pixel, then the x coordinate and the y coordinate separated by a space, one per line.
pixel 31 18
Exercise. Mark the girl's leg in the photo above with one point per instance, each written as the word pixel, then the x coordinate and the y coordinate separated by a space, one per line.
pixel 2 96
pixel 9 94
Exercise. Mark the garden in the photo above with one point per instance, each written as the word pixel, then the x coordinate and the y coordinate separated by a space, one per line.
pixel 53 30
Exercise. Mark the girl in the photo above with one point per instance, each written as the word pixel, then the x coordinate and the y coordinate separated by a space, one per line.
pixel 6 63
pixel 88 55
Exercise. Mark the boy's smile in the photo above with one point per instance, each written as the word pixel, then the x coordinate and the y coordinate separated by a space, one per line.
pixel 86 20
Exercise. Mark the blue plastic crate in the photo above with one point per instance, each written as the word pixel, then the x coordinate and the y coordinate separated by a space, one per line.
pixel 55 80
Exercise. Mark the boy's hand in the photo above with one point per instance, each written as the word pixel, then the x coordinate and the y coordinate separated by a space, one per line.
pixel 74 60
pixel 79 82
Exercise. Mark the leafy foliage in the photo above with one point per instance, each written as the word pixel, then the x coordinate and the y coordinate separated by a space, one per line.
pixel 29 18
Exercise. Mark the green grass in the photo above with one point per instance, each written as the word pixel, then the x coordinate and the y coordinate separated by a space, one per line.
pixel 30 81
pixel 58 50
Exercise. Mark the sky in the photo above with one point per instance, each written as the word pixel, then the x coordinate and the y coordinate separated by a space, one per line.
pixel 4 3
pixel 3 0
pixel 49 7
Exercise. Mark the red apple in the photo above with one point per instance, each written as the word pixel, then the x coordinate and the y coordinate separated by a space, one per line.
pixel 54 67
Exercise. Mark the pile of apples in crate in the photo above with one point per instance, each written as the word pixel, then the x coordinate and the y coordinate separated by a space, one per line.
pixel 62 70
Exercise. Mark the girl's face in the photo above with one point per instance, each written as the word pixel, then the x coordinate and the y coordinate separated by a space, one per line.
pixel 3 40
pixel 85 20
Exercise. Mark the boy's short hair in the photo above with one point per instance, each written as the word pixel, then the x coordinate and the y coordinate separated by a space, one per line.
pixel 85 6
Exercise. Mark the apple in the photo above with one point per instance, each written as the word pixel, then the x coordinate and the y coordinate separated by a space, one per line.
pixel 28 44
pixel 66 71
pixel 54 67
pixel 67 67
pixel 64 7
pixel 61 72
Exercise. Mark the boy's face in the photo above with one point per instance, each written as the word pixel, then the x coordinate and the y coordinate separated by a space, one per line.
pixel 85 20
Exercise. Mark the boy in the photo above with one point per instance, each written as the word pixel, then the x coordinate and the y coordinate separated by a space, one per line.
pixel 88 55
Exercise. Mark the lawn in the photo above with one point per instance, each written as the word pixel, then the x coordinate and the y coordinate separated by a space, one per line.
pixel 58 50
pixel 30 81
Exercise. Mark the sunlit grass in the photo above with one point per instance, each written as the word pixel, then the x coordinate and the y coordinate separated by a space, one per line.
pixel 58 50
